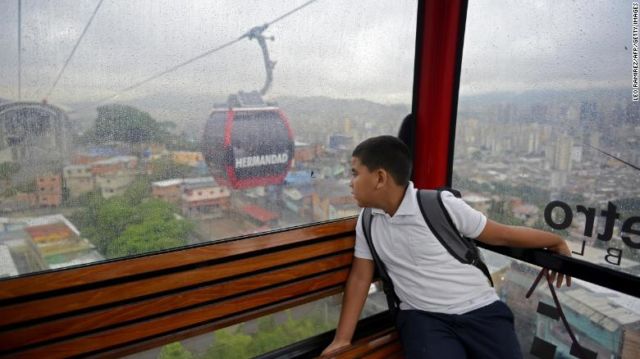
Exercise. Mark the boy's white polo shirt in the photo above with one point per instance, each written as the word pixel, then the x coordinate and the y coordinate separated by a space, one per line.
pixel 425 276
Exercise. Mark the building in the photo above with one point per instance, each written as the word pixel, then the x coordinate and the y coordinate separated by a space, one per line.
pixel 95 153
pixel 154 151
pixel 204 197
pixel 341 142
pixel 169 190
pixel 114 175
pixel 38 243
pixel 114 183
pixel 87 158
pixel 32 244
pixel 114 164
pixel 33 134
pixel 600 317
pixel 19 254
pixel 342 206
pixel 331 198
pixel 7 266
pixel 562 153
pixel 605 321
pixel 299 200
pixel 49 190
pixel 186 157
pixel 60 244
pixel 19 202
pixel 78 179
pixel 527 213
pixel 304 152
pixel 197 196
pixel 260 216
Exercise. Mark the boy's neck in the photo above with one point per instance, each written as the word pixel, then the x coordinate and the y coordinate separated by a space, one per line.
pixel 394 199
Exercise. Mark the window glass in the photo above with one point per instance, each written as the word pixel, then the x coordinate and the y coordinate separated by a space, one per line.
pixel 159 125
pixel 268 333
pixel 548 125
pixel 603 321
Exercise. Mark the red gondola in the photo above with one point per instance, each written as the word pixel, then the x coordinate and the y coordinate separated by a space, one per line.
pixel 248 142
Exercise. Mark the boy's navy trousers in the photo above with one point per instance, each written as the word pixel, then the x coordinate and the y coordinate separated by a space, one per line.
pixel 487 332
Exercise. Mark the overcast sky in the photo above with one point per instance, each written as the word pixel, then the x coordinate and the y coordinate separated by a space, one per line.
pixel 522 45
pixel 337 48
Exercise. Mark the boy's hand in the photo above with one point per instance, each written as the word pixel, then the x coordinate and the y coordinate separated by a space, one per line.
pixel 563 249
pixel 335 346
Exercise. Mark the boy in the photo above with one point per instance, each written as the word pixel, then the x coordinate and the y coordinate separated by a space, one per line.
pixel 448 309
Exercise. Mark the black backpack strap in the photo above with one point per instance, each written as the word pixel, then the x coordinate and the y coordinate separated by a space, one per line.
pixel 441 225
pixel 387 285
pixel 453 191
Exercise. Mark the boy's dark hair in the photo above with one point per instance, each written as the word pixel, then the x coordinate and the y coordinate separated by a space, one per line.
pixel 388 153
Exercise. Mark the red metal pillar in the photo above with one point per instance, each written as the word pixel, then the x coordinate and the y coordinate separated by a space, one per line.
pixel 438 57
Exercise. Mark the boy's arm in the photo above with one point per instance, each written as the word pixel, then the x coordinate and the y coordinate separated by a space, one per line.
pixel 355 295
pixel 498 234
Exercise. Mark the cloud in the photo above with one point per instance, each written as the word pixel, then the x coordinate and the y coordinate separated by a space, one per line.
pixel 355 49
pixel 331 47
pixel 516 46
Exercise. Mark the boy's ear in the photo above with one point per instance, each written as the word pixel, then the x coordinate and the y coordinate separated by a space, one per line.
pixel 382 177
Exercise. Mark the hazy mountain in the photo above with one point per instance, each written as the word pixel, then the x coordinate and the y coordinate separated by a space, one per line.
pixel 190 111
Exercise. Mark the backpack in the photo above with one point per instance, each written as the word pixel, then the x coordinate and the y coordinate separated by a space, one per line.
pixel 439 222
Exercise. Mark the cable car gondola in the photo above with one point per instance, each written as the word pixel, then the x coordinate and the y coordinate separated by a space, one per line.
pixel 248 142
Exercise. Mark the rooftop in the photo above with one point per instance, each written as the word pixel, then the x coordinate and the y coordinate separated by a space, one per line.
pixel 598 308
pixel 115 160
pixel 76 167
pixel 57 229
pixel 168 183
pixel 38 221
pixel 259 213
pixel 475 198
pixel 199 182
pixel 7 266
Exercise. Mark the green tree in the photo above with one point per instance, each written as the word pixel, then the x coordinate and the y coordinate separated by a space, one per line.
pixel 9 192
pixel 269 336
pixel 175 351
pixel 117 122
pixel 86 217
pixel 156 228
pixel 138 190
pixel 8 169
pixel 103 220
pixel 228 344
pixel 27 187
pixel 127 225
pixel 112 219
pixel 500 211
pixel 279 336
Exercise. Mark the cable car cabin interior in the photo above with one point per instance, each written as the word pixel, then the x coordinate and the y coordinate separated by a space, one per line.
pixel 141 220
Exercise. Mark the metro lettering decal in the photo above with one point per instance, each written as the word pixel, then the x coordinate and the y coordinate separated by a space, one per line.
pixel 630 226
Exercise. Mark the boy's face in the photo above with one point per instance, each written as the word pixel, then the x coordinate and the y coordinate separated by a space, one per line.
pixel 363 183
